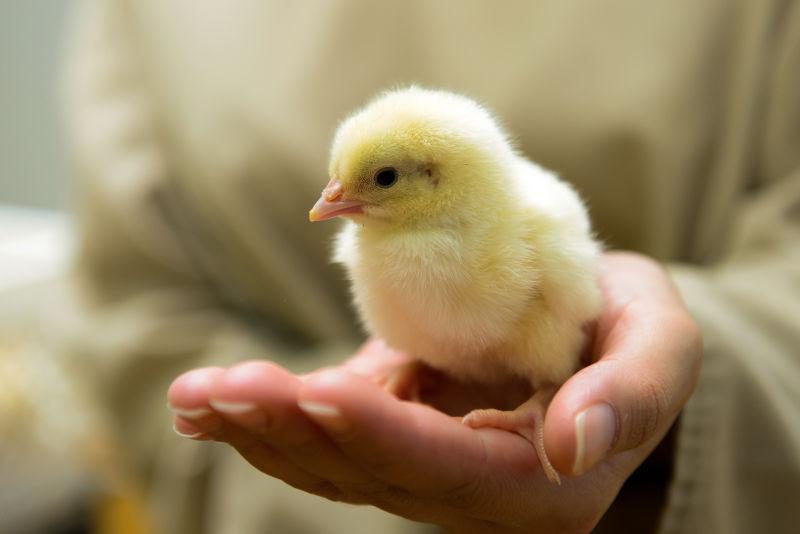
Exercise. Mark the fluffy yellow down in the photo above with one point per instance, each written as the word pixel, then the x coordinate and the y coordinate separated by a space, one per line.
pixel 477 261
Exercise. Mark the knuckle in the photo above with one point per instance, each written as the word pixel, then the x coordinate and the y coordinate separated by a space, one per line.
pixel 688 343
pixel 655 409
pixel 696 346
pixel 695 338
pixel 249 446
pixel 648 415
pixel 382 464
pixel 395 495
pixel 390 496
pixel 466 496
pixel 377 493
pixel 685 325
pixel 328 490
pixel 471 494
pixel 297 441
pixel 370 487
pixel 304 447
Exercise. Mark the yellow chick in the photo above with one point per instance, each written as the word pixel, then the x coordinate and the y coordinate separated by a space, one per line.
pixel 460 251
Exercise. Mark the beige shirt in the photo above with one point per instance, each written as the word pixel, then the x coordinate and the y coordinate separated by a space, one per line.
pixel 201 134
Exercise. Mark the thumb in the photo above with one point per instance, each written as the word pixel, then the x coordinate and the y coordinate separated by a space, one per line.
pixel 619 404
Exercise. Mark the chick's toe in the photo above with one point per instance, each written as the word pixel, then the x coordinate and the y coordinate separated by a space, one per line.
pixel 527 421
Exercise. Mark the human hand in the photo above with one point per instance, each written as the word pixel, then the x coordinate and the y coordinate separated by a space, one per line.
pixel 337 434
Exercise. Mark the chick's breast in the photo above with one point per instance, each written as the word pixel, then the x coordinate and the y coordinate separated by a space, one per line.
pixel 460 252
pixel 503 295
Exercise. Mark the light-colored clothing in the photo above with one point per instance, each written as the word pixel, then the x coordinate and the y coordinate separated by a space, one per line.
pixel 201 131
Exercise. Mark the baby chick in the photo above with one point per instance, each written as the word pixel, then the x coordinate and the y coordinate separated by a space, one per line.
pixel 460 251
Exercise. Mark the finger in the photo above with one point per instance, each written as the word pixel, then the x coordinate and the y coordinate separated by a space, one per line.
pixel 630 397
pixel 273 462
pixel 187 429
pixel 374 359
pixel 413 446
pixel 629 276
pixel 261 397
pixel 632 280
pixel 188 398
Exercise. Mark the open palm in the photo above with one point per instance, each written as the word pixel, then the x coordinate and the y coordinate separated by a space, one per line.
pixel 336 433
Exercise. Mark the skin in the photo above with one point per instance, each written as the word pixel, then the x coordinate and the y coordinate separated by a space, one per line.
pixel 367 446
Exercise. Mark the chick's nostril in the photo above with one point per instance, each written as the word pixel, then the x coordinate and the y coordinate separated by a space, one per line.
pixel 332 191
pixel 330 196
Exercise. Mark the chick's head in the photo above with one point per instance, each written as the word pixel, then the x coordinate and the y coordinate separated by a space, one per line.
pixel 412 156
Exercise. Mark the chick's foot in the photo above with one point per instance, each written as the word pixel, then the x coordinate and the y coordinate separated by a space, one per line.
pixel 527 421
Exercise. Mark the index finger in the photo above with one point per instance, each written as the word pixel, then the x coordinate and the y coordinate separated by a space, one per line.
pixel 411 445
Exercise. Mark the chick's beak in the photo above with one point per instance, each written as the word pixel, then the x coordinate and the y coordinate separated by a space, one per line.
pixel 332 203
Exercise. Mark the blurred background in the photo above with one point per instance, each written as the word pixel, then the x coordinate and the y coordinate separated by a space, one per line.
pixel 42 488
pixel 190 119
pixel 34 186
pixel 32 170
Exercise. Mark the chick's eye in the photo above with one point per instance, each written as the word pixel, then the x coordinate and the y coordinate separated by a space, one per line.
pixel 386 177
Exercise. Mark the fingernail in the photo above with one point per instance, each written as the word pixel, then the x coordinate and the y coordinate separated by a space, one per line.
pixel 189 413
pixel 232 407
pixel 193 435
pixel 247 414
pixel 327 416
pixel 595 430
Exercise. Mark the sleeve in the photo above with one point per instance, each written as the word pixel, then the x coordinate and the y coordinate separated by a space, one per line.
pixel 737 457
pixel 737 465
